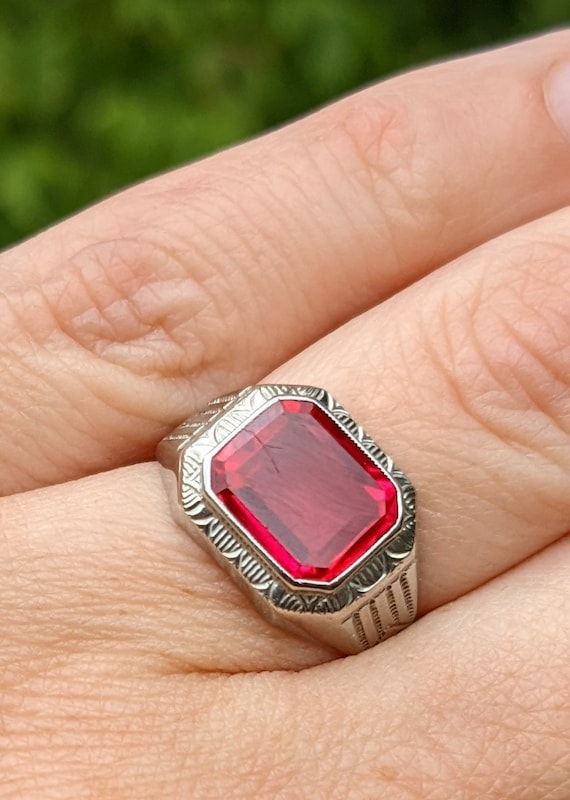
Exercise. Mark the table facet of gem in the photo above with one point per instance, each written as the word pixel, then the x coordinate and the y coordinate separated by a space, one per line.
pixel 305 492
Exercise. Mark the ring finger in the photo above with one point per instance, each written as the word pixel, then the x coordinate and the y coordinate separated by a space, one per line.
pixel 463 379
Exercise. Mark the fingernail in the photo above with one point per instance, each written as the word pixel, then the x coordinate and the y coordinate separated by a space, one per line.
pixel 557 93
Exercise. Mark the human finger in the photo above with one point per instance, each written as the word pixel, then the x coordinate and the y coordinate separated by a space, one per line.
pixel 101 562
pixel 120 321
pixel 471 701
pixel 462 379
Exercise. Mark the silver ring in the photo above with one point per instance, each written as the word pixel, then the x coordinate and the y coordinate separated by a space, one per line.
pixel 302 509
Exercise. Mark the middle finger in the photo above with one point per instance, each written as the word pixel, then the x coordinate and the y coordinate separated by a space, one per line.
pixel 115 324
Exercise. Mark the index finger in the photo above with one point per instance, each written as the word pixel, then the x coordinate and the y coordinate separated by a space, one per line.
pixel 118 323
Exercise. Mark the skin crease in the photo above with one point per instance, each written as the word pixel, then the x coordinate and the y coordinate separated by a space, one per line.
pixel 130 666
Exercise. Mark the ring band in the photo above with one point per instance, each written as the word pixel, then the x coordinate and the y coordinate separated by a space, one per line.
pixel 303 510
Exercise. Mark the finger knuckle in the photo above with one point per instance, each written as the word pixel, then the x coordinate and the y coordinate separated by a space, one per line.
pixel 507 345
pixel 522 330
pixel 374 138
pixel 132 303
pixel 378 130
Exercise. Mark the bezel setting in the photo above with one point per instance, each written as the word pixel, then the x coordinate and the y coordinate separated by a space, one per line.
pixel 233 546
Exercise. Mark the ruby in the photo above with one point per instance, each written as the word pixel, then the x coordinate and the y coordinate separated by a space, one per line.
pixel 304 490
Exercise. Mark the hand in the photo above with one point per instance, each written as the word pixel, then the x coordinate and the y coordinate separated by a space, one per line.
pixel 130 666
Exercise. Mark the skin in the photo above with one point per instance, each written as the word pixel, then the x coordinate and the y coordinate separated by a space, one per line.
pixel 408 249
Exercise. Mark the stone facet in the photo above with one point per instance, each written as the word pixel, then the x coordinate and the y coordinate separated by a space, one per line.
pixel 304 490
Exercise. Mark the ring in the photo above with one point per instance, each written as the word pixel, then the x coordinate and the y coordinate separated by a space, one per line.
pixel 303 510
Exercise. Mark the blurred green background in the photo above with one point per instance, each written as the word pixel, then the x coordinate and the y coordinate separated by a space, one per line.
pixel 95 94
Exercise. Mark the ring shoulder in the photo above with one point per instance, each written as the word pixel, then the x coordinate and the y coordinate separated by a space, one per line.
pixel 169 449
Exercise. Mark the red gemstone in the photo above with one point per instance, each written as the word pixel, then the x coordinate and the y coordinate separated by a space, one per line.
pixel 304 491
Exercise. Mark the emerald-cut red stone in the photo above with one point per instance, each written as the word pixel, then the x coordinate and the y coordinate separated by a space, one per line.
pixel 304 490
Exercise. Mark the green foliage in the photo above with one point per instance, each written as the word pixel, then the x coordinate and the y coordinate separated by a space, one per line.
pixel 95 94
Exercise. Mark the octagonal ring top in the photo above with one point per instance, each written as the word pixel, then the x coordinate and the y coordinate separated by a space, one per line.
pixel 294 499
